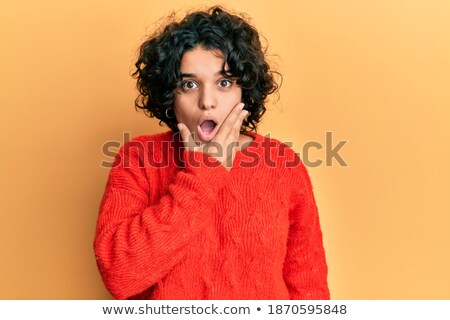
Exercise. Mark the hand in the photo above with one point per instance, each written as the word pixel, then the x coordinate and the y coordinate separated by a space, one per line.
pixel 225 143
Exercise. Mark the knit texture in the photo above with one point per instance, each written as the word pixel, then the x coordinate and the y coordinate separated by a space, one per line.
pixel 175 224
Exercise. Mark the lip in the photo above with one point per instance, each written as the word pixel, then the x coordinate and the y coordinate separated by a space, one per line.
pixel 207 136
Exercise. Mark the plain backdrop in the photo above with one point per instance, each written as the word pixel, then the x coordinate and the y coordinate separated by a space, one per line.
pixel 375 74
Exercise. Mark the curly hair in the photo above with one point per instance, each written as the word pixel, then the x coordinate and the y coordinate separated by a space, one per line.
pixel 158 65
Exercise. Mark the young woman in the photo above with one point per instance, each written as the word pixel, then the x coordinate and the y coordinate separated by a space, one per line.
pixel 209 209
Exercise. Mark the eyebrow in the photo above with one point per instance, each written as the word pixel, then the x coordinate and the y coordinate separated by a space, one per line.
pixel 193 75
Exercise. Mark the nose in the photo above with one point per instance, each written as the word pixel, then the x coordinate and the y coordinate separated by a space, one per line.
pixel 207 98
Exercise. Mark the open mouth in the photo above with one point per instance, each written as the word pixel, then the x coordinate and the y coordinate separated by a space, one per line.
pixel 208 126
pixel 207 129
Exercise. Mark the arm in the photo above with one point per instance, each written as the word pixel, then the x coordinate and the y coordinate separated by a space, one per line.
pixel 136 244
pixel 305 269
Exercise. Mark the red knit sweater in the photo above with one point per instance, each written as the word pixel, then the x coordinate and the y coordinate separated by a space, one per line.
pixel 175 224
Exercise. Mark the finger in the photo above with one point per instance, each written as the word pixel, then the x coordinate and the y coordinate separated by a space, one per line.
pixel 238 123
pixel 183 132
pixel 186 135
pixel 233 136
pixel 229 122
pixel 235 122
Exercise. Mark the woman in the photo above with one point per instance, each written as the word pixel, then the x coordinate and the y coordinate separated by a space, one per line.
pixel 209 209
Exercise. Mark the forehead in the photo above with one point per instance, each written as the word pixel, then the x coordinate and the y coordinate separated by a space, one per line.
pixel 200 60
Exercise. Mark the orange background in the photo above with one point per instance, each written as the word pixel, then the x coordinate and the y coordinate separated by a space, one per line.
pixel 376 74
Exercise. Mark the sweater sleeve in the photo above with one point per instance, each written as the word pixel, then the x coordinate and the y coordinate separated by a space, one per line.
pixel 305 269
pixel 135 244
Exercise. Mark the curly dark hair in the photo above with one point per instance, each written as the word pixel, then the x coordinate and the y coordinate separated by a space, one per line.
pixel 158 66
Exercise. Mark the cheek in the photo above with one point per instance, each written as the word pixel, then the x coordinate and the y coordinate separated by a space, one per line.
pixel 182 109
pixel 238 95
pixel 233 97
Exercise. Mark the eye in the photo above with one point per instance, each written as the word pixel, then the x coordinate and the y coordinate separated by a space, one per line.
pixel 188 85
pixel 225 83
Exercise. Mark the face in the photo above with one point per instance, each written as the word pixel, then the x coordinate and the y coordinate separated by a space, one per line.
pixel 205 97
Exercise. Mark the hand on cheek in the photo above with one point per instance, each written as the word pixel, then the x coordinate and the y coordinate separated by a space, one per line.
pixel 225 144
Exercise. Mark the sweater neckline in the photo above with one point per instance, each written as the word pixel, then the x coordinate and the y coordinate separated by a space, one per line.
pixel 240 155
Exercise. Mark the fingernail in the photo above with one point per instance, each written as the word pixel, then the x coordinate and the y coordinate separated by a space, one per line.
pixel 180 126
pixel 241 106
pixel 244 113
